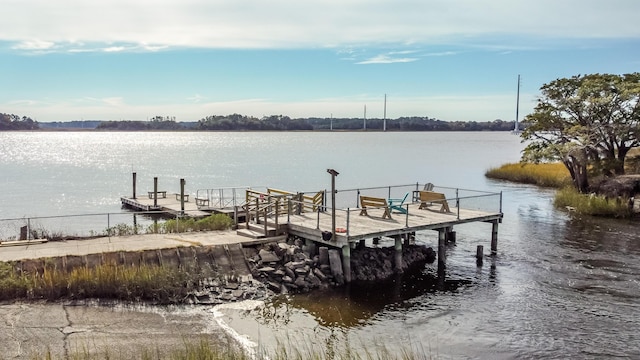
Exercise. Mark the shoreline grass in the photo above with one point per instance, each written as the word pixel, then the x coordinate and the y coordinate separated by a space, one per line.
pixel 147 282
pixel 590 204
pixel 553 175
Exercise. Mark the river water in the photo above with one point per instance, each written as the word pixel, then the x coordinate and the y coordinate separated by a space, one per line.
pixel 560 287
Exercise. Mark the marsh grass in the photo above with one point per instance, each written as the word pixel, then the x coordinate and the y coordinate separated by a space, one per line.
pixel 155 283
pixel 544 174
pixel 228 350
pixel 591 204
pixel 204 349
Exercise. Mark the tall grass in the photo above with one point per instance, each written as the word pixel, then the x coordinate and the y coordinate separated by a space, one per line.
pixel 543 174
pixel 156 283
pixel 227 350
pixel 591 204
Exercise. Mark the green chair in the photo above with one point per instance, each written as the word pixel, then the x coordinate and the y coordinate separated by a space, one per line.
pixel 397 204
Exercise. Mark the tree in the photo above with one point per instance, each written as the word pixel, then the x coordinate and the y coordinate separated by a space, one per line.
pixel 588 122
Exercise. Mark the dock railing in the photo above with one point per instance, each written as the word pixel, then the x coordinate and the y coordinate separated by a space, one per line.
pixel 81 226
pixel 224 197
pixel 348 200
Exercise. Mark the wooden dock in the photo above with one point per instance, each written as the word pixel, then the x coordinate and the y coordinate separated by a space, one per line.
pixel 170 204
pixel 277 213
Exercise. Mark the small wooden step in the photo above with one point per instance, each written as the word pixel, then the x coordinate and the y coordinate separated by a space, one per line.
pixel 251 233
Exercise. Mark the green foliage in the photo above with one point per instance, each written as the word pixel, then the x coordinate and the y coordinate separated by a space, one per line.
pixel 541 174
pixel 123 230
pixel 587 122
pixel 591 204
pixel 15 122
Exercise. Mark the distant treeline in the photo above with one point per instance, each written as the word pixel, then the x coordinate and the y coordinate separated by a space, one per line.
pixel 237 122
pixel 15 122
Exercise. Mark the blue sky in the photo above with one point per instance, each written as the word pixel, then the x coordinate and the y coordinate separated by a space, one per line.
pixel 449 59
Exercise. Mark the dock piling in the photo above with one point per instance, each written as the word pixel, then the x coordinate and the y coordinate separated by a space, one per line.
pixel 155 192
pixel 479 255
pixel 494 238
pixel 398 254
pixel 134 185
pixel 182 182
pixel 346 263
pixel 442 243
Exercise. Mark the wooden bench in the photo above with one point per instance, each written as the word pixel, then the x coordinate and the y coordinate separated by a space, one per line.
pixel 202 202
pixel 429 197
pixel 161 194
pixel 374 202
pixel 186 197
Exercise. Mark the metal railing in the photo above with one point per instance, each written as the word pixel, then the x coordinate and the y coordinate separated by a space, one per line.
pixel 79 226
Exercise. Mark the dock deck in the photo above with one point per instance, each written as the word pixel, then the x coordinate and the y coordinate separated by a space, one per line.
pixel 169 204
pixel 311 225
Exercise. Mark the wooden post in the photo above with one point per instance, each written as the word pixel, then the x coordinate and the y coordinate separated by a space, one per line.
pixel 346 263
pixel 333 202
pixel 155 192
pixel 451 235
pixel 134 185
pixel 182 182
pixel 398 254
pixel 323 255
pixel 479 255
pixel 442 243
pixel 336 265
pixel 494 238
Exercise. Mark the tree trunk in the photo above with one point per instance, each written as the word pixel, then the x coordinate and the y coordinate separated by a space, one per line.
pixel 578 171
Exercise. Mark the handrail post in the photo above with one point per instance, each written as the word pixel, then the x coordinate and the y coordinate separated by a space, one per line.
pixel 109 227
pixel 277 214
pixel 500 201
pixel 318 219
pixel 288 210
pixel 348 214
pixel 406 224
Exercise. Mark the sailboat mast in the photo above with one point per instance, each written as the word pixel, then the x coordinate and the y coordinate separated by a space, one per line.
pixel 365 117
pixel 517 127
pixel 384 123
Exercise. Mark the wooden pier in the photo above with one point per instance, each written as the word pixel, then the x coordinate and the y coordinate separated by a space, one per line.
pixel 276 213
pixel 170 204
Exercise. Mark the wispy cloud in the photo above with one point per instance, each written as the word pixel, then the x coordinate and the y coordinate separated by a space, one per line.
pixel 386 59
pixel 34 25
pixel 34 45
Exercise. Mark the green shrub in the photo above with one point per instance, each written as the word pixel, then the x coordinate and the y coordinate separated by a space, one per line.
pixel 210 223
pixel 591 204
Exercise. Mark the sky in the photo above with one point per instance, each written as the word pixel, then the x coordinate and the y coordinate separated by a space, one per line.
pixel 454 60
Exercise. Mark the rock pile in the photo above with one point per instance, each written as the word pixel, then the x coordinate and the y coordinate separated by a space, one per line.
pixel 217 291
pixel 286 268
pixel 294 268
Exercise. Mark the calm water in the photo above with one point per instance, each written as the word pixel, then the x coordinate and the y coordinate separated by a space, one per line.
pixel 560 287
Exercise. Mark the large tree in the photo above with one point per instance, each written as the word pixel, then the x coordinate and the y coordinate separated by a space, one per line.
pixel 589 122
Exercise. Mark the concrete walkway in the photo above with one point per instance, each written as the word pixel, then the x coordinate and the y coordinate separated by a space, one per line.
pixel 36 250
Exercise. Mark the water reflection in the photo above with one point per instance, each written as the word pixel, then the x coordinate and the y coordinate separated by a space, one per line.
pixel 355 304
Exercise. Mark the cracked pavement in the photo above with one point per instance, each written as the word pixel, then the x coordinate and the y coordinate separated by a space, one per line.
pixel 34 330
